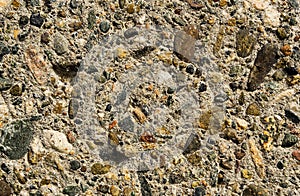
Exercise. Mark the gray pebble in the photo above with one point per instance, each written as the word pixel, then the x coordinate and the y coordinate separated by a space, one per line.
pixel 60 44
pixel 104 26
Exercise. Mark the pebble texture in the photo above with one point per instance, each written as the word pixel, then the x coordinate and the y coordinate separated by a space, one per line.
pixel 119 97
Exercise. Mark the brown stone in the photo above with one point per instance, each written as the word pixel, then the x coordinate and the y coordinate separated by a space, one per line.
pixel 286 50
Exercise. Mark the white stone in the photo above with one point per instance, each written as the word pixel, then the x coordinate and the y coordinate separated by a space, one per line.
pixel 58 141
pixel 259 4
pixel 242 123
pixel 4 112
pixel 271 17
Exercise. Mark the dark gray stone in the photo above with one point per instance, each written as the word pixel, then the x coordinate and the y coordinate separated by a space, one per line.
pixel 104 26
pixel 74 165
pixel 289 140
pixel 37 20
pixel 5 84
pixel 15 139
pixel 199 191
pixel 71 190
pixel 292 116
pixel 193 144
pixel 263 63
pixel 91 19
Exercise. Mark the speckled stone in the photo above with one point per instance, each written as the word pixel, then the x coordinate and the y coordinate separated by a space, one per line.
pixel 99 168
pixel 5 189
pixel 245 43
pixel 16 139
pixel 74 165
pixel 289 140
pixel 5 84
pixel 71 190
pixel 60 44
pixel 104 26
pixel 37 20
pixel 253 109
pixel 263 63
pixel 253 190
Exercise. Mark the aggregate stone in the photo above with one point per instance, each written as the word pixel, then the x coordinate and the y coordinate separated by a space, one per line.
pixel 75 165
pixel 292 116
pixel 74 4
pixel 122 3
pixel 193 144
pixel 289 140
pixel 245 43
pixel 37 20
pixel 60 44
pixel 5 189
pixel 263 63
pixel 71 190
pixel 16 90
pixel 23 20
pixel 104 26
pixel 199 191
pixel 98 168
pixel 278 75
pixel 5 84
pixel 15 139
pixel 91 19
pixel 253 190
pixel 253 109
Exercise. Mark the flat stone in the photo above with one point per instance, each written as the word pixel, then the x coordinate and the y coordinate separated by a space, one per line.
pixel 193 144
pixel 16 138
pixel 292 116
pixel 245 43
pixel 184 45
pixel 263 63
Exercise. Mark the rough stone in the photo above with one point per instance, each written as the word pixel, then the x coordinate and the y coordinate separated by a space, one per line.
pixel 245 43
pixel 289 140
pixel 75 165
pixel 5 84
pixel 99 168
pixel 5 189
pixel 193 144
pixel 253 190
pixel 15 139
pixel 253 109
pixel 60 44
pixel 71 190
pixel 263 63
pixel 37 20
pixel 292 116
pixel 58 141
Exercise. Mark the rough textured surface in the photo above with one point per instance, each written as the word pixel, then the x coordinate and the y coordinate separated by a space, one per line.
pixel 207 103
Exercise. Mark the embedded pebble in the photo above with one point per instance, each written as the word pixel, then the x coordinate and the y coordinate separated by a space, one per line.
pixel 58 141
pixel 60 44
